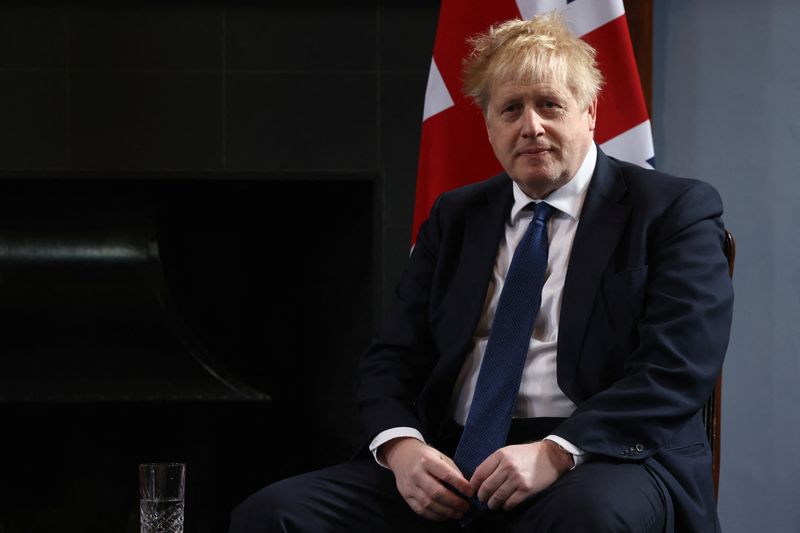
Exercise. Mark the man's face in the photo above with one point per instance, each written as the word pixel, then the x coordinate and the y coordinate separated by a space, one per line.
pixel 539 133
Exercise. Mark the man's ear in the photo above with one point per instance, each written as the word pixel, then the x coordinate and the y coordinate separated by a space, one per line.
pixel 592 111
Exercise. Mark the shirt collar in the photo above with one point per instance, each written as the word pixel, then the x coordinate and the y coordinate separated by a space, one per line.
pixel 569 197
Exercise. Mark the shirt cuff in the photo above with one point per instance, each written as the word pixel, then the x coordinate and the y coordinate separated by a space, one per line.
pixel 578 455
pixel 394 433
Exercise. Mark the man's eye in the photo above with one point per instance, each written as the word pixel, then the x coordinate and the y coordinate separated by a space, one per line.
pixel 550 105
pixel 513 108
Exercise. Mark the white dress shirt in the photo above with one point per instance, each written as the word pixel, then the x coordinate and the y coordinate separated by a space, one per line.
pixel 539 393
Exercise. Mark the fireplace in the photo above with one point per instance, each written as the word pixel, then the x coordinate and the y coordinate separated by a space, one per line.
pixel 212 320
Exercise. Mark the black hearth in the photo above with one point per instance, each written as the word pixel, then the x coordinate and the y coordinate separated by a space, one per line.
pixel 212 320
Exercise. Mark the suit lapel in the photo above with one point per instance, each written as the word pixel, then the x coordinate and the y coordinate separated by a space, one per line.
pixel 601 224
pixel 484 225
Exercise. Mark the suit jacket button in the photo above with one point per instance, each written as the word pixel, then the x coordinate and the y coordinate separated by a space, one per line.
pixel 639 448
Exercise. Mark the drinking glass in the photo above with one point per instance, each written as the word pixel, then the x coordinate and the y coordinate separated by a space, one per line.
pixel 161 496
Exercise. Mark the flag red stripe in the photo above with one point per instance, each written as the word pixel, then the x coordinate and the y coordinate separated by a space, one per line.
pixel 458 21
pixel 621 102
pixel 453 152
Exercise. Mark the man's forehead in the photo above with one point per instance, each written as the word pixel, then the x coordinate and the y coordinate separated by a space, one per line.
pixel 511 87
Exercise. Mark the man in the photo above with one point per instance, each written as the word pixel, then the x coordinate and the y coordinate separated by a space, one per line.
pixel 624 320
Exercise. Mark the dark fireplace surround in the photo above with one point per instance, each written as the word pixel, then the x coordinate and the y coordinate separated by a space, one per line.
pixel 213 320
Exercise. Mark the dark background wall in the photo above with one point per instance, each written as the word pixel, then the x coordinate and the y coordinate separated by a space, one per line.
pixel 316 98
pixel 215 87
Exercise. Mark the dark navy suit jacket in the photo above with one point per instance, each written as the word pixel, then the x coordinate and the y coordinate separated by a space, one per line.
pixel 644 323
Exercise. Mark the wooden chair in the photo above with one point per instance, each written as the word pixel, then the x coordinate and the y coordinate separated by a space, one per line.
pixel 712 411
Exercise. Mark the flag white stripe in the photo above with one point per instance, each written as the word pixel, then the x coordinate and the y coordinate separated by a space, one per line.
pixel 530 8
pixel 634 145
pixel 584 16
pixel 437 97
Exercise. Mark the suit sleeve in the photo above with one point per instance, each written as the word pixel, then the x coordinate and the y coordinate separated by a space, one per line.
pixel 401 356
pixel 682 337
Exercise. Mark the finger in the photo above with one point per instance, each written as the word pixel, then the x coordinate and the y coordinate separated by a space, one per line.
pixel 444 469
pixel 432 509
pixel 428 515
pixel 500 495
pixel 435 490
pixel 515 499
pixel 482 474
pixel 421 503
pixel 423 512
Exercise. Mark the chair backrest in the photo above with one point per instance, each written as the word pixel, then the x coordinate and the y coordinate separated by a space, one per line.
pixel 712 411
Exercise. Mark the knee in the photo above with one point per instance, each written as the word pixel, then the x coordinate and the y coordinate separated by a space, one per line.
pixel 590 513
pixel 572 517
pixel 265 511
pixel 606 509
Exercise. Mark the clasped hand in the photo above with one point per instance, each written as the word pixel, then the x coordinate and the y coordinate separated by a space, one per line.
pixel 506 478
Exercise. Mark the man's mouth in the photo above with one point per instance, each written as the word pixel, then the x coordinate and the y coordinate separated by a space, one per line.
pixel 533 151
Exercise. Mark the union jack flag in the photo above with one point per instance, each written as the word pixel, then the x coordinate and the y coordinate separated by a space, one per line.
pixel 454 150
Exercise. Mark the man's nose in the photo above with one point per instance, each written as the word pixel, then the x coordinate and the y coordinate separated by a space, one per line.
pixel 531 123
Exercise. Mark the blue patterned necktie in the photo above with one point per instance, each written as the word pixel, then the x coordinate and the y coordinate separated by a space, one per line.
pixel 500 375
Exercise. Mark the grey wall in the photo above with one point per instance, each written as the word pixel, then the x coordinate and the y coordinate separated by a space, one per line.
pixel 727 109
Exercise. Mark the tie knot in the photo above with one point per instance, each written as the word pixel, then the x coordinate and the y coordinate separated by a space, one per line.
pixel 542 211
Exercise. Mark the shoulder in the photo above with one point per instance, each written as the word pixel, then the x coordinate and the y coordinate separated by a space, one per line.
pixel 477 192
pixel 650 189
pixel 459 201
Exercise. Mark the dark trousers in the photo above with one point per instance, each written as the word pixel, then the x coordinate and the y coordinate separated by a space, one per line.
pixel 361 496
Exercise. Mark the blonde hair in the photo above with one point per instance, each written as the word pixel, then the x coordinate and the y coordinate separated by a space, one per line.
pixel 540 49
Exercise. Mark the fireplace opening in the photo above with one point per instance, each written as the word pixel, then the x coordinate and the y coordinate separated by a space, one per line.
pixel 212 321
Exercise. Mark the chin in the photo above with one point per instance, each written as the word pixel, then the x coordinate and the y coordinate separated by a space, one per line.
pixel 539 185
pixel 537 180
